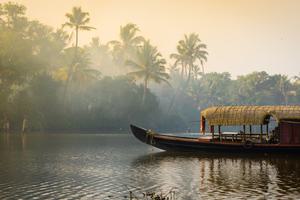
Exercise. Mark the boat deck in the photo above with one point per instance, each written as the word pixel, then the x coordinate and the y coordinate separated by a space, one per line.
pixel 220 143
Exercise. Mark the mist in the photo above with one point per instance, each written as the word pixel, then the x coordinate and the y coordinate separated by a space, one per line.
pixel 85 69
pixel 242 36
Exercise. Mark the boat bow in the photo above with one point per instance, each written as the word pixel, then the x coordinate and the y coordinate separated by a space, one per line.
pixel 139 133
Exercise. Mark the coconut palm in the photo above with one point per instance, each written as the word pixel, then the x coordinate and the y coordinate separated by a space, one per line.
pixel 196 71
pixel 1 15
pixel 189 51
pixel 101 58
pixel 125 48
pixel 82 72
pixel 15 15
pixel 149 65
pixel 284 87
pixel 77 20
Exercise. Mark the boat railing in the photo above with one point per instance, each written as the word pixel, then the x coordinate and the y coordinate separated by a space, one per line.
pixel 240 136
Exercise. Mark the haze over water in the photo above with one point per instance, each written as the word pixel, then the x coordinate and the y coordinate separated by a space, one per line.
pixel 50 84
pixel 102 166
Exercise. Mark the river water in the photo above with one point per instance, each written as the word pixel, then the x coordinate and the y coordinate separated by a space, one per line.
pixel 108 166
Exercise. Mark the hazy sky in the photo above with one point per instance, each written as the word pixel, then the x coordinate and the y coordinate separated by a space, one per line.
pixel 242 35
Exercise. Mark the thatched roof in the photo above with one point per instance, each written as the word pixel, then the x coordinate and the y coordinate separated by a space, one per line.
pixel 249 115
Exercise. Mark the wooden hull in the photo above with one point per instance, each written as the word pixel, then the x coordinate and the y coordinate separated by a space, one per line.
pixel 183 144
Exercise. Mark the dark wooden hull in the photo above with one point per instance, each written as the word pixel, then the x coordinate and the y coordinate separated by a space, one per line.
pixel 184 144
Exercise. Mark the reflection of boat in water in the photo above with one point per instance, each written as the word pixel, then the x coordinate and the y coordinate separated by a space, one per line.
pixel 168 155
pixel 282 161
pixel 276 175
pixel 285 138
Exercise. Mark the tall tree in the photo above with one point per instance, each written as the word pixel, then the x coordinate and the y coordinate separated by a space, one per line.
pixel 125 48
pixel 149 66
pixel 189 51
pixel 15 15
pixel 82 72
pixel 101 57
pixel 284 88
pixel 1 16
pixel 77 20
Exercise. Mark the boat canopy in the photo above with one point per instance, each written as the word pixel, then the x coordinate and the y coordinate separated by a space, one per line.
pixel 249 115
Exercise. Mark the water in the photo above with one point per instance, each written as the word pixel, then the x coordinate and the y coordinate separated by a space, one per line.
pixel 102 166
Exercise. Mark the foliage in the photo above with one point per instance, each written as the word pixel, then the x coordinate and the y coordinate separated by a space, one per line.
pixel 101 57
pixel 110 82
pixel 189 51
pixel 148 65
pixel 77 20
pixel 126 48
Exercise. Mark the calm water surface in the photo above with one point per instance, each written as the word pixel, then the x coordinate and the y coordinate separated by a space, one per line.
pixel 102 166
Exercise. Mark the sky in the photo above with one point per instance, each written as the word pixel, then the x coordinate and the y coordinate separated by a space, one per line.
pixel 242 36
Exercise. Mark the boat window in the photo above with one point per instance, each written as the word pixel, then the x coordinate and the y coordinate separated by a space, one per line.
pixel 231 128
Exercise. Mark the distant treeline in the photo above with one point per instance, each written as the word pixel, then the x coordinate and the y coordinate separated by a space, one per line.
pixel 49 82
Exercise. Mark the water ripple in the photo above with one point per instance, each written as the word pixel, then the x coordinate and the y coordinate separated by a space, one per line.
pixel 108 167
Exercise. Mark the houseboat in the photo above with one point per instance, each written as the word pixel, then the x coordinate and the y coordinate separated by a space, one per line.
pixel 262 129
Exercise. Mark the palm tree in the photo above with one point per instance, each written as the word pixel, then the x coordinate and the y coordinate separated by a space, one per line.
pixel 284 86
pixel 82 72
pixel 196 72
pixel 77 20
pixel 1 15
pixel 15 15
pixel 149 65
pixel 125 48
pixel 189 51
pixel 99 53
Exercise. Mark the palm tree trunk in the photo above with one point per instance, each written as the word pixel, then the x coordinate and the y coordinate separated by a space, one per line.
pixel 189 73
pixel 182 70
pixel 145 90
pixel 202 67
pixel 76 43
pixel 70 71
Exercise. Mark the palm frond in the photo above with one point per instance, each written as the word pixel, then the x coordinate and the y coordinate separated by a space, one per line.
pixel 68 24
pixel 137 74
pixel 133 64
pixel 86 28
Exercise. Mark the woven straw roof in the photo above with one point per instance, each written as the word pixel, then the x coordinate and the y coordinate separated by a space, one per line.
pixel 249 115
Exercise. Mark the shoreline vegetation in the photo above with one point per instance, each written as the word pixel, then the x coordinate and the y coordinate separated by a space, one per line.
pixel 50 82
